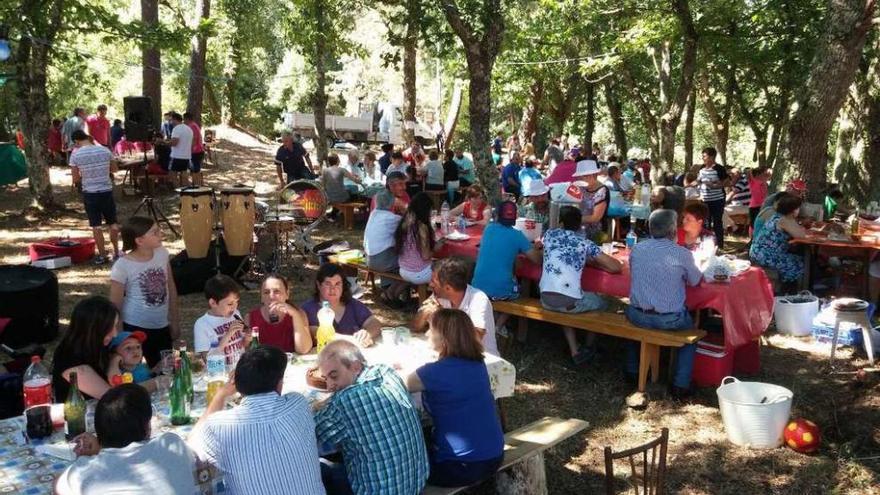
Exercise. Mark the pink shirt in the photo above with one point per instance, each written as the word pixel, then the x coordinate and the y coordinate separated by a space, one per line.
pixel 197 137
pixel 99 128
pixel 562 173
pixel 759 192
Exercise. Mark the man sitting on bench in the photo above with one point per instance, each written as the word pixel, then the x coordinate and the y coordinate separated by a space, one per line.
pixel 659 271
pixel 565 255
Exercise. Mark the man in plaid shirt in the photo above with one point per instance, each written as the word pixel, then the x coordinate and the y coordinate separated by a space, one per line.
pixel 371 419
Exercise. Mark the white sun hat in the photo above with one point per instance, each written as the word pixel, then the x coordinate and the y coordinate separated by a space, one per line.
pixel 586 167
pixel 535 187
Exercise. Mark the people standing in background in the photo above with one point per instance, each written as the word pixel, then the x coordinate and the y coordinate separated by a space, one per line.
pixel 513 145
pixel 385 159
pixel 450 175
pixel 291 158
pixel 465 169
pixel 712 180
pixel 167 125
pixel 553 155
pixel 92 167
pixel 53 142
pixel 99 126
pixel 197 151
pixel 181 148
pixel 740 194
pixel 433 172
pixel 758 179
pixel 116 133
pixel 76 122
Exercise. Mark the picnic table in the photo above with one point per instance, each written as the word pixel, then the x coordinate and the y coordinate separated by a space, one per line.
pixel 25 471
pixel 745 303
pixel 813 242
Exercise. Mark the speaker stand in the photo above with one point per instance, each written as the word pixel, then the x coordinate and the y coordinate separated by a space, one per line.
pixel 147 202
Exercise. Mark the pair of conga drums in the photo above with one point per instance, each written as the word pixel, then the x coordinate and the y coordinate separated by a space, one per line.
pixel 237 217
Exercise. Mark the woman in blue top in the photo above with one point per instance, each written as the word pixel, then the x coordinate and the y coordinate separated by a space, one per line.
pixel 770 244
pixel 467 445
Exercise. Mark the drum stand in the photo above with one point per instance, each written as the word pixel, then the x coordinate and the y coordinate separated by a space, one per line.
pixel 147 202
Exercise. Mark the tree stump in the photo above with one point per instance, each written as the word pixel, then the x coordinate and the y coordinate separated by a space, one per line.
pixel 525 478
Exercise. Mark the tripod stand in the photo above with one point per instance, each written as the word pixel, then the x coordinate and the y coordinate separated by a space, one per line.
pixel 147 202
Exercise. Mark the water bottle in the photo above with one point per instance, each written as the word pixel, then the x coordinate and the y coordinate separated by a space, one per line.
pixel 646 194
pixel 444 218
pixel 462 223
pixel 631 238
pixel 37 384
pixel 325 332
pixel 216 368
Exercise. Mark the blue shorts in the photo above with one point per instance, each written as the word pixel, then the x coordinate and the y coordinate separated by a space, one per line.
pixel 100 206
pixel 195 163
pixel 178 165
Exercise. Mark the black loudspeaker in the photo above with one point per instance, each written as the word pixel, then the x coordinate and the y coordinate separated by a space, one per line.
pixel 190 274
pixel 139 124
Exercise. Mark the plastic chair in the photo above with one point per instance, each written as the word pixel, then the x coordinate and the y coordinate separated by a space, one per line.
pixel 653 474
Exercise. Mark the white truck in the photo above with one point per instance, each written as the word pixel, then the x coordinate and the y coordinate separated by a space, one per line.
pixel 377 123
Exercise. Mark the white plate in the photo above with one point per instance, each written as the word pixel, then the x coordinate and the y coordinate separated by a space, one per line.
pixel 458 236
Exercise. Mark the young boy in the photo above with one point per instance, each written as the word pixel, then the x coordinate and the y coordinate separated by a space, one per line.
pixel 128 357
pixel 222 322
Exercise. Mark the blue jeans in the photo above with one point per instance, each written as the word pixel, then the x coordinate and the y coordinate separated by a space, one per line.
pixel 334 478
pixel 684 362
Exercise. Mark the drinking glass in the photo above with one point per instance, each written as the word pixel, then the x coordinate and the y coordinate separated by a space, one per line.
pixel 166 361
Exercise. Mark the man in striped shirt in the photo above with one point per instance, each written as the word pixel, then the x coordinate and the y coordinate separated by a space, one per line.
pixel 712 180
pixel 661 269
pixel 92 166
pixel 266 444
pixel 371 418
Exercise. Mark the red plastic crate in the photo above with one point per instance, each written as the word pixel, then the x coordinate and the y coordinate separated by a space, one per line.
pixel 711 364
pixel 80 253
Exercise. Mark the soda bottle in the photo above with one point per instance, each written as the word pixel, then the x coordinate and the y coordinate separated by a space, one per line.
pixel 186 370
pixel 178 396
pixel 37 384
pixel 74 411
pixel 216 369
pixel 255 338
pixel 326 332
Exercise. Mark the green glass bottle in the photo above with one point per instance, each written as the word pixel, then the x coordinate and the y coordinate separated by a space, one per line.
pixel 186 370
pixel 178 398
pixel 255 338
pixel 74 411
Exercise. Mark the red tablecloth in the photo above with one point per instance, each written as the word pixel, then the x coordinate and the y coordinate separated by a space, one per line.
pixel 745 304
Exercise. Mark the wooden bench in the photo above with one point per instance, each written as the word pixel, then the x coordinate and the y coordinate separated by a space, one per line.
pixel 524 454
pixel 348 210
pixel 371 274
pixel 606 323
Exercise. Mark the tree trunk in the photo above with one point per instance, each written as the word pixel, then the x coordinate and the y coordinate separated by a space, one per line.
pixel 719 118
pixel 410 45
pixel 649 121
pixel 197 74
pixel 213 104
pixel 481 46
pixel 590 123
pixel 615 110
pixel 529 124
pixel 832 71
pixel 872 151
pixel 689 131
pixel 151 61
pixel 32 63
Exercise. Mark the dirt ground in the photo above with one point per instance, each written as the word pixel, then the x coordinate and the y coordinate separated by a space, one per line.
pixel 700 459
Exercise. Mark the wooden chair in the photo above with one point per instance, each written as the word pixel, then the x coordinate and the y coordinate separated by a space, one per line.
pixel 653 474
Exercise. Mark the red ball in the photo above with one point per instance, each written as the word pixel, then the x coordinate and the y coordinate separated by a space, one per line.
pixel 802 435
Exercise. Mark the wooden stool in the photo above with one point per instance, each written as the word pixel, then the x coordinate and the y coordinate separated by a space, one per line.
pixel 857 317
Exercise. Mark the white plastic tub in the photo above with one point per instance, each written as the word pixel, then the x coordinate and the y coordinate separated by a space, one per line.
pixel 754 413
pixel 794 314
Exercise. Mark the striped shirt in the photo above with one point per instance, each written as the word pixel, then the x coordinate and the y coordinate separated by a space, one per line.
pixel 660 269
pixel 708 176
pixel 266 445
pixel 377 427
pixel 742 194
pixel 93 162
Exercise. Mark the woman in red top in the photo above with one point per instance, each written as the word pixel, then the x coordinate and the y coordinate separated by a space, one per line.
pixel 280 324
pixel 691 234
pixel 474 208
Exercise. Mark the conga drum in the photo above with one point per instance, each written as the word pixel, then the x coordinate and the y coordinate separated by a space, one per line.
pixel 238 217
pixel 196 219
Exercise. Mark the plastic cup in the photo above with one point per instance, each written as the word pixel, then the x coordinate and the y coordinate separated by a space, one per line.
pixel 388 336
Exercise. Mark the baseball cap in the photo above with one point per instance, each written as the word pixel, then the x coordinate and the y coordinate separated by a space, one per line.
pixel 123 336
pixel 507 213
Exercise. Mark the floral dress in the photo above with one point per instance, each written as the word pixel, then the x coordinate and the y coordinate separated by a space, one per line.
pixel 770 250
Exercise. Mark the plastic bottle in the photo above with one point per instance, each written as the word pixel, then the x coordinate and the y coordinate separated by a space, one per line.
pixel 646 194
pixel 462 223
pixel 631 238
pixel 37 384
pixel 326 332
pixel 216 369
pixel 444 217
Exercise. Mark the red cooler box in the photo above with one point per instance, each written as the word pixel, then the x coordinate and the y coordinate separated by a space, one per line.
pixel 712 363
pixel 747 358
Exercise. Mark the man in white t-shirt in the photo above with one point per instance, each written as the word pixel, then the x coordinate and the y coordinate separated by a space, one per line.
pixel 181 148
pixel 92 167
pixel 123 459
pixel 449 281
pixel 222 323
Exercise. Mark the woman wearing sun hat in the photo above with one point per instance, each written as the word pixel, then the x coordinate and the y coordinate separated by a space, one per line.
pixel 594 197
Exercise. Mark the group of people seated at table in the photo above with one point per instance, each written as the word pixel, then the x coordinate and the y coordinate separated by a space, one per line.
pixel 270 442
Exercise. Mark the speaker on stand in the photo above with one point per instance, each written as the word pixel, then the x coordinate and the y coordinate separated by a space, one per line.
pixel 139 127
